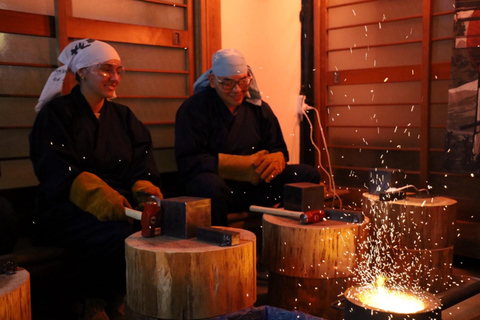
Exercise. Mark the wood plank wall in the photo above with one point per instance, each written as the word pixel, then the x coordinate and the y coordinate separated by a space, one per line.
pixel 382 92
pixel 155 40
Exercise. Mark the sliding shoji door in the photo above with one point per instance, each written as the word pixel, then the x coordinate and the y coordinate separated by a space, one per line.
pixel 383 95
pixel 28 55
pixel 154 39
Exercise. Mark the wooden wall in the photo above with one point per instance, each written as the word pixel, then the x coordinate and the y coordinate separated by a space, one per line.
pixel 383 96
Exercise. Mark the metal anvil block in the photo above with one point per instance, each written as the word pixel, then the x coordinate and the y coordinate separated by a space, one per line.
pixel 181 216
pixel 381 179
pixel 303 196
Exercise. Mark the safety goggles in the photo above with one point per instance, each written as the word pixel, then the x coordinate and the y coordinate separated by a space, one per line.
pixel 229 84
pixel 107 70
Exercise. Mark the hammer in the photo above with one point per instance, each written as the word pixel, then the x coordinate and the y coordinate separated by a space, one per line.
pixel 150 218
pixel 304 217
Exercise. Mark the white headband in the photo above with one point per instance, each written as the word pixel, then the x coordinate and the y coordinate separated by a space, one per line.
pixel 228 62
pixel 75 56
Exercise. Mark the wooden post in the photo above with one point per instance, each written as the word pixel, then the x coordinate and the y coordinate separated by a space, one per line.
pixel 15 303
pixel 421 234
pixel 172 278
pixel 63 13
pixel 310 265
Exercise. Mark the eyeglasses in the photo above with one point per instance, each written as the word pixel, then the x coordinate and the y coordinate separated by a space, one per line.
pixel 229 84
pixel 107 70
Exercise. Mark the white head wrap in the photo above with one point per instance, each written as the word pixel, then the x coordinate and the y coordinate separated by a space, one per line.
pixel 77 55
pixel 228 62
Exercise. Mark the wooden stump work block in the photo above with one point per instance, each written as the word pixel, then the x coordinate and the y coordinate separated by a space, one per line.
pixel 422 231
pixel 172 278
pixel 327 249
pixel 310 265
pixel 15 303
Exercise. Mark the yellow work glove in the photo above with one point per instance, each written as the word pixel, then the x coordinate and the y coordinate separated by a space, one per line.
pixel 93 195
pixel 240 168
pixel 270 166
pixel 142 188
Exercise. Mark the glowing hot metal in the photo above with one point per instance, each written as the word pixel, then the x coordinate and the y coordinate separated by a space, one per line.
pixel 381 297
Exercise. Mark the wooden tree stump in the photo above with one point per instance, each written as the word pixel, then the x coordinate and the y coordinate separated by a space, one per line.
pixel 171 278
pixel 432 268
pixel 15 303
pixel 421 234
pixel 322 250
pixel 419 223
pixel 310 265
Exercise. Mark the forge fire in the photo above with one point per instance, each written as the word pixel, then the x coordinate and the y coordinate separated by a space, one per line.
pixel 380 297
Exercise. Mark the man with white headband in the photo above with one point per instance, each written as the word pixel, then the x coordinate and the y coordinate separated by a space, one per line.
pixel 92 158
pixel 228 143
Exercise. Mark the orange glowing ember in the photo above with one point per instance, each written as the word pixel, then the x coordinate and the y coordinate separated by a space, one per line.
pixel 380 297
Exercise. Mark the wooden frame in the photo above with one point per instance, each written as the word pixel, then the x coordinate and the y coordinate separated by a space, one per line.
pixel 27 23
pixel 423 73
pixel 210 32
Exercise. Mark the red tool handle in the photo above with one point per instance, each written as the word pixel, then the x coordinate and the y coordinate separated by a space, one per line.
pixel 312 216
pixel 150 219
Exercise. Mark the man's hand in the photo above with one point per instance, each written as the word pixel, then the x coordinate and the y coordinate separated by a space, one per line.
pixel 240 168
pixel 142 189
pixel 270 166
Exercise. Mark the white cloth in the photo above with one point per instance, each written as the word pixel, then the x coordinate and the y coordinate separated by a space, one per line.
pixel 253 94
pixel 227 62
pixel 75 56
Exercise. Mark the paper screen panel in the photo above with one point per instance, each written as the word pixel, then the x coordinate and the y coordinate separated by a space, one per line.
pixel 374 137
pixel 439 91
pixel 153 84
pixel 23 80
pixel 441 51
pixel 152 57
pixel 437 138
pixel 437 161
pixel 360 178
pixel 438 116
pixel 165 159
pixel 386 115
pixel 17 174
pixel 375 34
pixel 400 92
pixel 14 144
pixel 409 160
pixel 442 26
pixel 372 11
pixel 27 49
pixel 153 109
pixel 363 58
pixel 163 136
pixel 443 5
pixel 17 111
pixel 132 12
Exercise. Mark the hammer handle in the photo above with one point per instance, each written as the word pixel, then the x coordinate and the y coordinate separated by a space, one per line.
pixel 277 212
pixel 135 214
